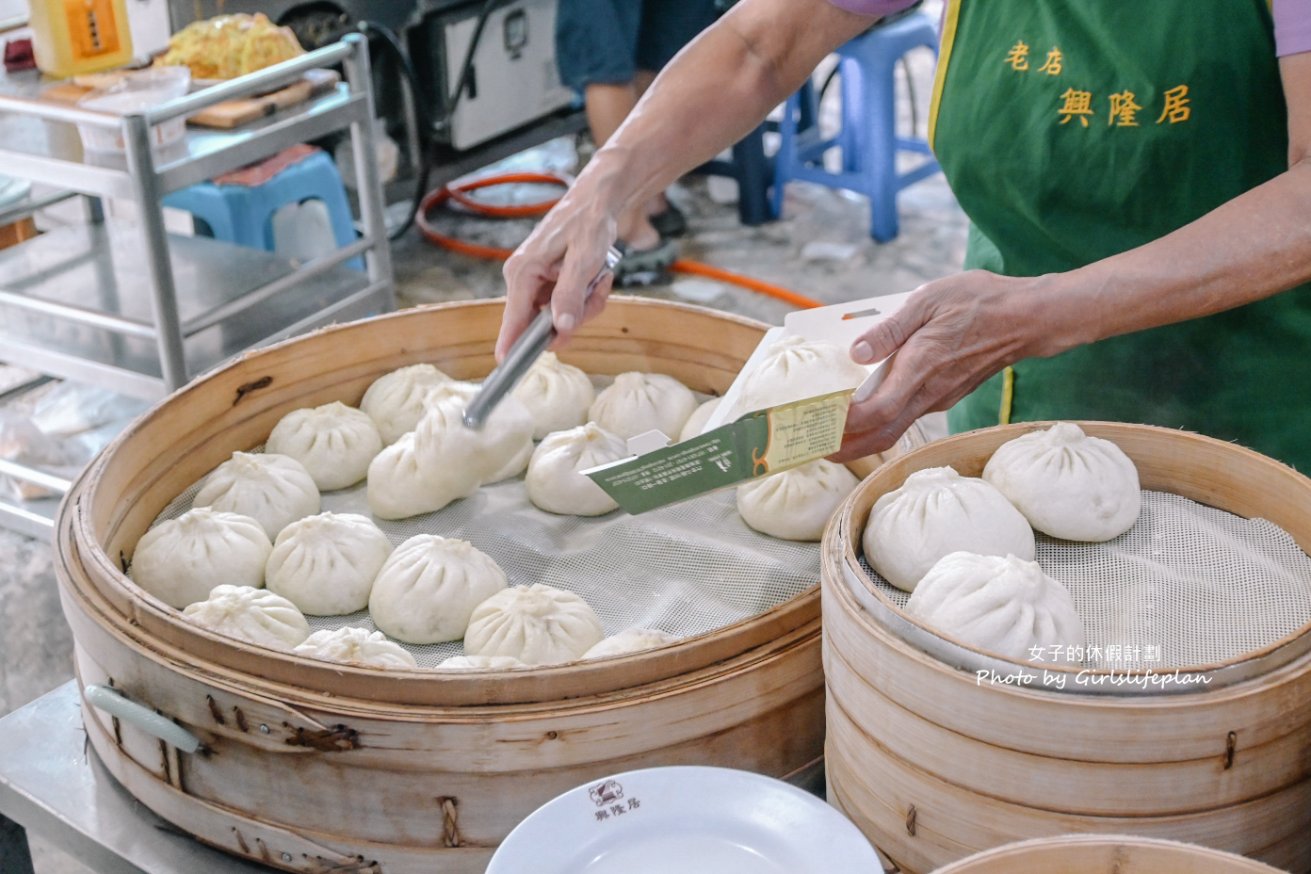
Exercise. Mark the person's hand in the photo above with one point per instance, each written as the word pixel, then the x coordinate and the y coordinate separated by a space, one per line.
pixel 553 267
pixel 950 336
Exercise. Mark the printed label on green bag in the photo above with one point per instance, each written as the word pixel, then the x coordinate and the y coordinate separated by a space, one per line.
pixel 755 445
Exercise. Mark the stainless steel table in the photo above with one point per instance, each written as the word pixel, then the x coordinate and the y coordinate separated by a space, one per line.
pixel 52 785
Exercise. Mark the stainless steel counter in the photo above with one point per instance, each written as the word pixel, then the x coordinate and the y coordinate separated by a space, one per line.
pixel 52 785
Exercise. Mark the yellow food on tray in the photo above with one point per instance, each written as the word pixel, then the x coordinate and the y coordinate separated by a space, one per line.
pixel 228 46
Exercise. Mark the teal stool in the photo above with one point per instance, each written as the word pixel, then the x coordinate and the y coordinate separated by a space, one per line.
pixel 243 214
pixel 868 139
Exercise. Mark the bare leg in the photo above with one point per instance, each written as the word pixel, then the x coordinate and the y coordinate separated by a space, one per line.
pixel 607 106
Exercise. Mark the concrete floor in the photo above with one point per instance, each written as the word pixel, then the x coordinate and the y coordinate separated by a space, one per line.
pixel 820 247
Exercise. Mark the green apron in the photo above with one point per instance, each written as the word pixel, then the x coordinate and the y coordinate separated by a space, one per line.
pixel 1071 130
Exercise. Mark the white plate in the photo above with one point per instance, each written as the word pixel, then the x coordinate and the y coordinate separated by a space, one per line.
pixel 679 820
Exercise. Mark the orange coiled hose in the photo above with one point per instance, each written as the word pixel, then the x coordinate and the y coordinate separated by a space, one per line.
pixel 459 194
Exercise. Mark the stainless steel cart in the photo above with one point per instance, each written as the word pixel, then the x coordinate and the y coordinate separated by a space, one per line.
pixel 138 310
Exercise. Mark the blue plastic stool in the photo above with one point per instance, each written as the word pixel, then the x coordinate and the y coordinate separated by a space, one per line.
pixel 243 214
pixel 868 138
pixel 754 170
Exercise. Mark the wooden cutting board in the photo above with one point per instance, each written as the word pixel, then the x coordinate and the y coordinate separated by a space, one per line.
pixel 234 113
pixel 229 113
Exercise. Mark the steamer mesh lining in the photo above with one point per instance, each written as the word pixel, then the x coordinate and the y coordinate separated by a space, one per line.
pixel 686 569
pixel 1200 585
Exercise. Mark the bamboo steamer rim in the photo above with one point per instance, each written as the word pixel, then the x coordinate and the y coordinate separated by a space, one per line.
pixel 1228 466
pixel 81 533
pixel 1105 854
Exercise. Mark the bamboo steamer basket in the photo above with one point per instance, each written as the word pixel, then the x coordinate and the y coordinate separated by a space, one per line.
pixel 1105 854
pixel 935 765
pixel 311 766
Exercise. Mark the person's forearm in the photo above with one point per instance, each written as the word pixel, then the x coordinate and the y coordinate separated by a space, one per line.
pixel 955 332
pixel 1252 247
pixel 713 93
pixel 1249 248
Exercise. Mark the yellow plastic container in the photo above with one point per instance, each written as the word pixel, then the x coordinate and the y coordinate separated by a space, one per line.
pixel 80 36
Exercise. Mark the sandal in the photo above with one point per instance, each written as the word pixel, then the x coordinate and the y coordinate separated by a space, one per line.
pixel 644 266
pixel 670 222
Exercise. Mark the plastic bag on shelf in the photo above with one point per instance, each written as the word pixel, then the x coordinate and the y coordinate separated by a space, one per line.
pixel 22 442
pixel 71 408
pixel 66 426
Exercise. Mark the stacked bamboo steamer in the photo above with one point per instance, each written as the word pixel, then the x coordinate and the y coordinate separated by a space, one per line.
pixel 1105 854
pixel 934 765
pixel 308 765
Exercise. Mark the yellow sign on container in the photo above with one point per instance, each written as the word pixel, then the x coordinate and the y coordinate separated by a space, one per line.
pixel 80 36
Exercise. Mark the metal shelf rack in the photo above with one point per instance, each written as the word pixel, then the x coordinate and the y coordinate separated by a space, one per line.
pixel 139 311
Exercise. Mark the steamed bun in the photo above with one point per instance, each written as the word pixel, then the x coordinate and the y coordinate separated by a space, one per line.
pixel 479 663
pixel 501 448
pixel 1067 484
pixel 537 624
pixel 794 368
pixel 936 512
pixel 179 561
pixel 557 395
pixel 256 616
pixel 325 564
pixel 272 489
pixel 407 482
pixel 428 468
pixel 630 640
pixel 356 646
pixel 554 480
pixel 696 423
pixel 1002 604
pixel 639 402
pixel 334 442
pixel 795 504
pixel 395 400
pixel 427 589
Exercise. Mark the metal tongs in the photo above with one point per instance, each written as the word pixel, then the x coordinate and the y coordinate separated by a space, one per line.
pixel 527 349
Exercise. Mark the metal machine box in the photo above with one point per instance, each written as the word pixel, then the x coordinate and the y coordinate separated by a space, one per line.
pixel 512 80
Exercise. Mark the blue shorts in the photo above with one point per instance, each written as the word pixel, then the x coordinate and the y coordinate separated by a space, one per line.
pixel 608 41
